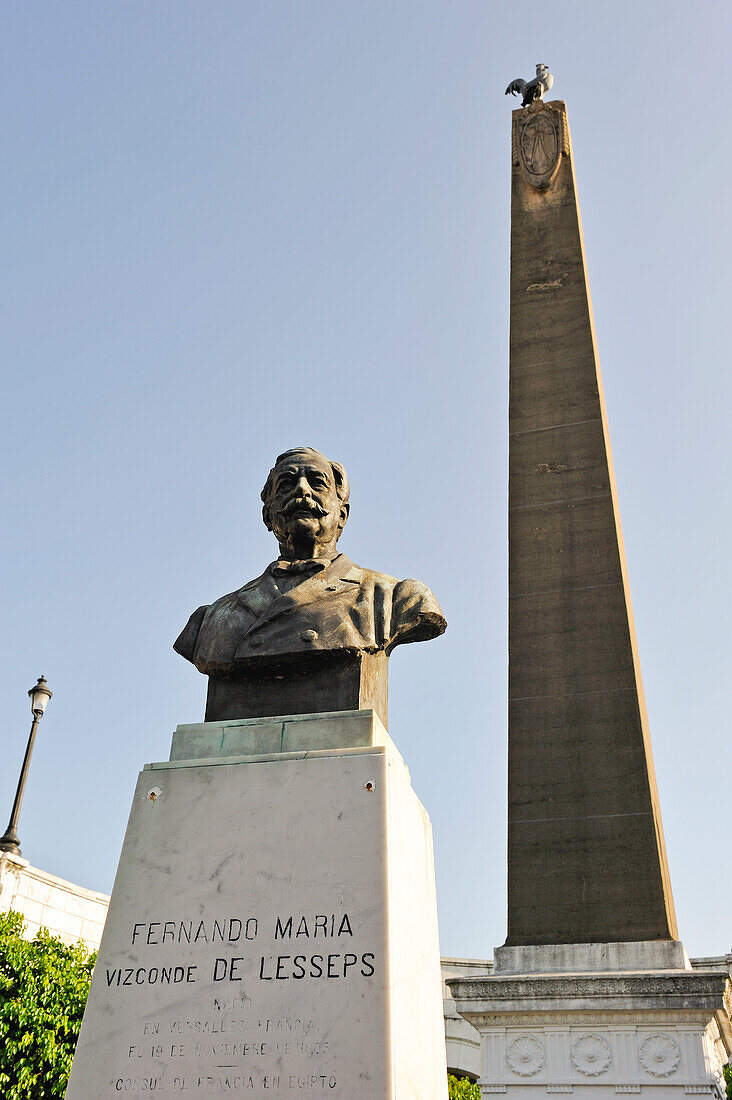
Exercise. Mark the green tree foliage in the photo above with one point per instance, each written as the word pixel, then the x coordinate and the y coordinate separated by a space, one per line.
pixel 43 989
pixel 461 1088
pixel 728 1079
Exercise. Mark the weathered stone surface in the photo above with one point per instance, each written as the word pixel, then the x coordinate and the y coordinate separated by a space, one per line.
pixel 592 994
pixel 568 641
pixel 559 741
pixel 585 851
pixel 272 929
pixel 537 387
pixel 566 462
pixel 546 538
pixel 682 989
pixel 597 1035
pixel 293 733
pixel 584 958
pixel 313 632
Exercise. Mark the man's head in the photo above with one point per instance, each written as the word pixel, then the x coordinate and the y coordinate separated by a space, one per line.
pixel 305 500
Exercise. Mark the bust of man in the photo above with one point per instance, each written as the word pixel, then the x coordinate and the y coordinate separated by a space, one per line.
pixel 313 619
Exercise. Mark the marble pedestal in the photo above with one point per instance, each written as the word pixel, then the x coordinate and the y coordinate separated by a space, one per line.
pixel 272 929
pixel 598 1020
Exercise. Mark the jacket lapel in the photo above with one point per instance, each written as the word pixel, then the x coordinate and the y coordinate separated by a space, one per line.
pixel 261 597
pixel 258 595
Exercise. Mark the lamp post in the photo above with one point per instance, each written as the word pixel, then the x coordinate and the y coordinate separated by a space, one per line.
pixel 39 696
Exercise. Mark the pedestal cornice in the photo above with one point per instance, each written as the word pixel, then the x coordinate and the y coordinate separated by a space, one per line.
pixel 617 1032
pixel 678 991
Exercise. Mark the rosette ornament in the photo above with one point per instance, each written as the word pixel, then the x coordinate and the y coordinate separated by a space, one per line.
pixel 659 1055
pixel 525 1055
pixel 591 1055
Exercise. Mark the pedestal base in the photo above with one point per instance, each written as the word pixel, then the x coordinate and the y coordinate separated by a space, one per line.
pixel 272 929
pixel 658 1033
pixel 301 683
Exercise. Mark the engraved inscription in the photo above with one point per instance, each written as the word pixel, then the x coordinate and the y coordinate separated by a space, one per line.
pixel 229 1045
pixel 246 946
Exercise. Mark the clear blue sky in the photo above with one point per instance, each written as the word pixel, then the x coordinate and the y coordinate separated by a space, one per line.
pixel 230 227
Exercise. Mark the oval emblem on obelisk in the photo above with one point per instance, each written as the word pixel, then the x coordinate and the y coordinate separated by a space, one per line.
pixel 539 148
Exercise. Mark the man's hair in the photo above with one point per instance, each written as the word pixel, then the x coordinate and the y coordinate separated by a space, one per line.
pixel 339 475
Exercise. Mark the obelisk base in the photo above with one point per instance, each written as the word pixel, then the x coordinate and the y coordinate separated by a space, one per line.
pixel 273 928
pixel 659 1033
pixel 582 958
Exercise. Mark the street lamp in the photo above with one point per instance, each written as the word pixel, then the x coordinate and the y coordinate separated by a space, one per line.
pixel 39 696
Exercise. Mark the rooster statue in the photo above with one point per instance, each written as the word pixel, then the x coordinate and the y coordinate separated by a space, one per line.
pixel 532 89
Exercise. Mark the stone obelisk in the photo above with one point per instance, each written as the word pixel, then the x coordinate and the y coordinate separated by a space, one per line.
pixel 592 987
pixel 586 855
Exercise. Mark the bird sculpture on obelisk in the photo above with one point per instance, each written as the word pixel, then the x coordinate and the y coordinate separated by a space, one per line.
pixel 534 89
pixel 592 986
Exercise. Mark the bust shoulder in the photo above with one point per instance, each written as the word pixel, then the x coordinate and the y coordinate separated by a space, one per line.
pixel 410 609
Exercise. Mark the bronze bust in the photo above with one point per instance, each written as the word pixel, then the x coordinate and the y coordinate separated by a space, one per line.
pixel 313 633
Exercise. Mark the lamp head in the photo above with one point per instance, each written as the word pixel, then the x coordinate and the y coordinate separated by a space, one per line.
pixel 39 696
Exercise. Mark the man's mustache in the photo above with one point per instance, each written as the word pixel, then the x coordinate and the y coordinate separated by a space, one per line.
pixel 298 504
